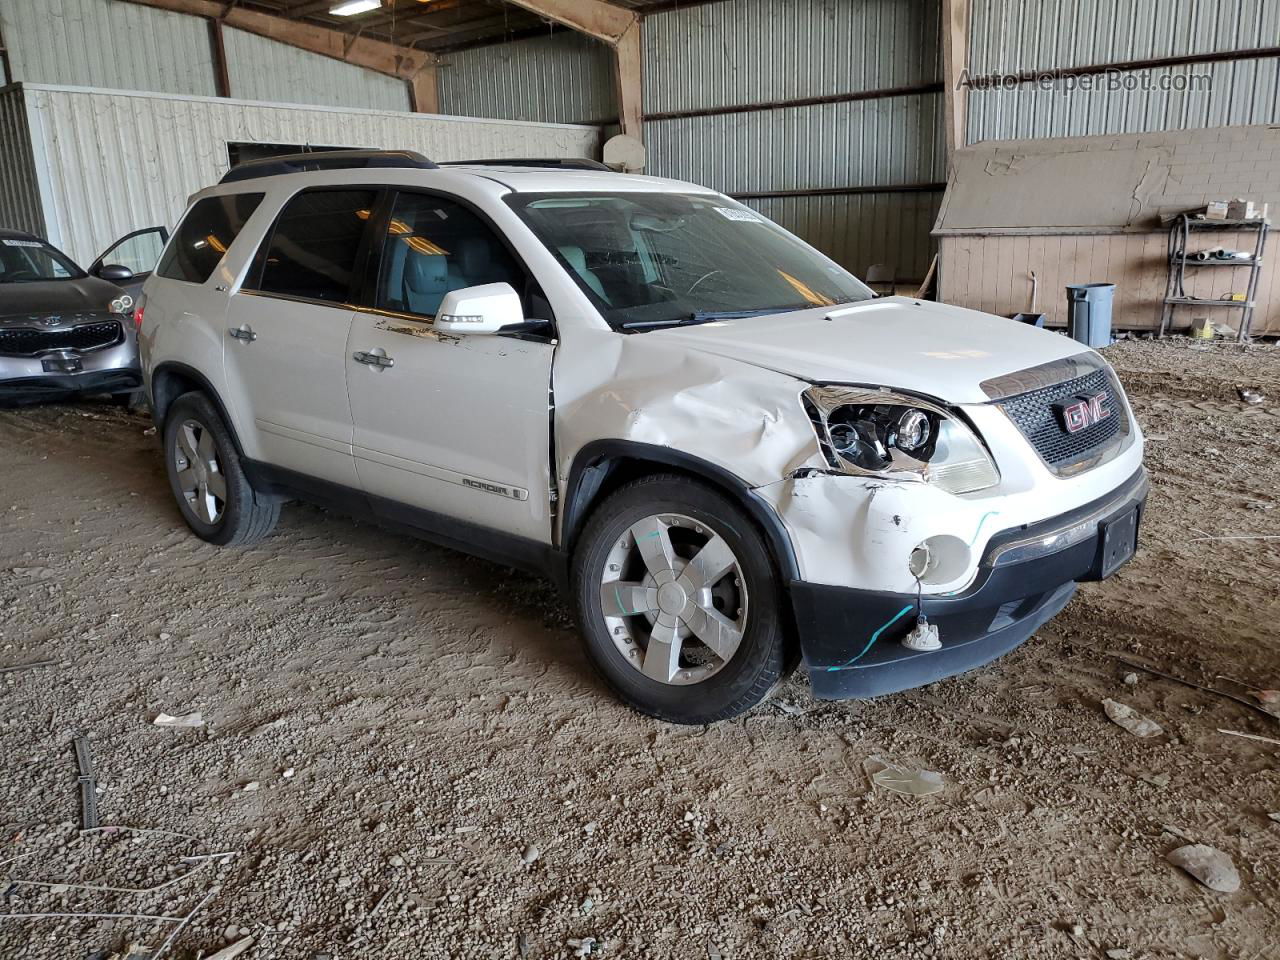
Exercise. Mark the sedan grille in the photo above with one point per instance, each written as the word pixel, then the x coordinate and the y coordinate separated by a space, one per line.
pixel 30 342
pixel 1037 414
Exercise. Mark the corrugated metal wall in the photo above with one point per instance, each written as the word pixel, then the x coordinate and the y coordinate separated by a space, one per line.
pixel 19 185
pixel 99 43
pixel 1011 36
pixel 721 56
pixel 123 46
pixel 745 51
pixel 101 185
pixel 1008 36
pixel 563 77
pixel 726 55
pixel 261 69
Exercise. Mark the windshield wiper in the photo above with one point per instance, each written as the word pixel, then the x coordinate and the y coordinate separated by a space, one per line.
pixel 704 316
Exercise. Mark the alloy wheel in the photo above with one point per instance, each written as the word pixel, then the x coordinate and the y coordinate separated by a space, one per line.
pixel 199 471
pixel 674 599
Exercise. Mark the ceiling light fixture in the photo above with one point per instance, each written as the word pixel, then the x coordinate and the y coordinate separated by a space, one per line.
pixel 349 8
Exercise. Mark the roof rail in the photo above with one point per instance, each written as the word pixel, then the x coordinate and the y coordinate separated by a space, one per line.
pixel 326 160
pixel 554 163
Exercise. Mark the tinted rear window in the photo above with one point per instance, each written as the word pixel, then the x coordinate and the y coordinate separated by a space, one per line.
pixel 204 236
pixel 312 250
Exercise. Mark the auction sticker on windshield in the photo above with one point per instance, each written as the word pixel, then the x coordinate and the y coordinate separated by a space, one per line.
pixel 22 243
pixel 746 216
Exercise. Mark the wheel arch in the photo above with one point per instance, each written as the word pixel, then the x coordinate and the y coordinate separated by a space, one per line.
pixel 602 466
pixel 171 380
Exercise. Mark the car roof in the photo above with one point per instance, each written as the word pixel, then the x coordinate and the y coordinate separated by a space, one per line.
pixel 503 179
pixel 552 180
pixel 20 235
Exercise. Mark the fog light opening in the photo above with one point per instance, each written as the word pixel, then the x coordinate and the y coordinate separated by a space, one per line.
pixel 939 560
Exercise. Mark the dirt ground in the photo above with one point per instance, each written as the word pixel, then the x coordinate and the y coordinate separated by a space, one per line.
pixel 391 727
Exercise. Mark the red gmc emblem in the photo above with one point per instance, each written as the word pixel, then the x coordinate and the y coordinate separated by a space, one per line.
pixel 1083 412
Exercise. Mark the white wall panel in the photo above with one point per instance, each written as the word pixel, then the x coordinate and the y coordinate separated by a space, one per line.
pixel 117 161
pixel 106 43
pixel 262 69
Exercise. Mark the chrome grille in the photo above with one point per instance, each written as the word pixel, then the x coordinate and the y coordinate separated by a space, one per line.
pixel 1035 416
pixel 30 342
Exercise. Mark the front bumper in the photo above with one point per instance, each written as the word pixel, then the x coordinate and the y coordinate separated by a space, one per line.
pixel 111 369
pixel 851 638
pixel 51 386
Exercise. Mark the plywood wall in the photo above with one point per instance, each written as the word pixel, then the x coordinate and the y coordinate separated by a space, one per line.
pixel 992 273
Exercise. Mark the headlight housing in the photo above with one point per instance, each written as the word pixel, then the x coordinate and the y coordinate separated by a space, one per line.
pixel 868 432
pixel 121 304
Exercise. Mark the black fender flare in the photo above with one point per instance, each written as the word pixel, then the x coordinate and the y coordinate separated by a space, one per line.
pixel 590 468
pixel 202 383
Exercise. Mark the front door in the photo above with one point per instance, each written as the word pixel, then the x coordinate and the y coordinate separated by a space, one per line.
pixel 286 334
pixel 459 426
pixel 139 252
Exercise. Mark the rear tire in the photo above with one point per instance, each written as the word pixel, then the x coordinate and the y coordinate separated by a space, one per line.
pixel 667 565
pixel 207 479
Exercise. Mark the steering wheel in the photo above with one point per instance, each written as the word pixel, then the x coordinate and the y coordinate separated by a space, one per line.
pixel 693 286
pixel 23 274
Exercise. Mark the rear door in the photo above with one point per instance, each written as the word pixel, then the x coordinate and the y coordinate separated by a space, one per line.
pixel 459 426
pixel 287 331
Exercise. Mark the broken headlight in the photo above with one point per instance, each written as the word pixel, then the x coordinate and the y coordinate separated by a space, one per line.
pixel 879 433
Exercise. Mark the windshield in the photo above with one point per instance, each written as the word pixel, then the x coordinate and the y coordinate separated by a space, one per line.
pixel 27 261
pixel 658 259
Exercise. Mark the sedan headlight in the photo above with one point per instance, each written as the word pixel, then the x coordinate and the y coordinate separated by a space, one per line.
pixel 121 304
pixel 879 433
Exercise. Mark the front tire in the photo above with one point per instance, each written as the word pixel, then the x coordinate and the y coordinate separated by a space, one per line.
pixel 678 601
pixel 207 479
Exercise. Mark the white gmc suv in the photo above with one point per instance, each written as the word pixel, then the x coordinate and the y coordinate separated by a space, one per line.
pixel 728 450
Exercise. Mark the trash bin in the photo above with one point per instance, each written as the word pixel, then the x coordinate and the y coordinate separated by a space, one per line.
pixel 1089 312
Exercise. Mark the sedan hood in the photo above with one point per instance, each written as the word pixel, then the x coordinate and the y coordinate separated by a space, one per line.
pixel 929 348
pixel 27 300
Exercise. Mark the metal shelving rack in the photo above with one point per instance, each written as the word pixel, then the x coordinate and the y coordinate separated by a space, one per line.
pixel 1175 295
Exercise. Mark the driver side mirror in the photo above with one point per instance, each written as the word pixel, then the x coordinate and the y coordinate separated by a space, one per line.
pixel 487 308
pixel 114 272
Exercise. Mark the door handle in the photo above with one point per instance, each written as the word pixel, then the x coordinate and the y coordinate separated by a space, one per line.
pixel 376 358
pixel 244 332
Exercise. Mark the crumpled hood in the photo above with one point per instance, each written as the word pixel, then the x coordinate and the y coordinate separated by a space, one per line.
pixel 930 348
pixel 88 295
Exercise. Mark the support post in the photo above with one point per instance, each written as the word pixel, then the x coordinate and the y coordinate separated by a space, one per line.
pixel 221 75
pixel 424 91
pixel 955 62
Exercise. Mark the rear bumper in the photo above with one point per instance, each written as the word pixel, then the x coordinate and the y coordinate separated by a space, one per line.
pixel 851 638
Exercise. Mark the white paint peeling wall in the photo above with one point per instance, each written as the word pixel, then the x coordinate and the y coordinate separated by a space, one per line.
pixel 118 161
pixel 106 43
pixel 262 69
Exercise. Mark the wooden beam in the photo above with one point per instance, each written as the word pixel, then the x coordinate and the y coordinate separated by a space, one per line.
pixel 604 21
pixel 628 57
pixel 424 92
pixel 221 76
pixel 377 55
pixel 955 63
